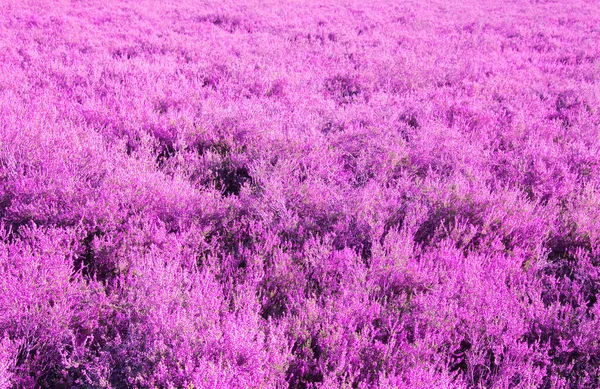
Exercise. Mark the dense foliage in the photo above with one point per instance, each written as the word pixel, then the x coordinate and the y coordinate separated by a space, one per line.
pixel 298 194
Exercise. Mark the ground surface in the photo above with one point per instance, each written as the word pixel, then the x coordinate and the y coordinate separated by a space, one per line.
pixel 392 194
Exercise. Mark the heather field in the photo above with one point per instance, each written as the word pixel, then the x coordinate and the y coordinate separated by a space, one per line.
pixel 299 194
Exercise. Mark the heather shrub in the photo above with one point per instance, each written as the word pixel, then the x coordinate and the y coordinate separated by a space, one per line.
pixel 281 195
pixel 6 363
